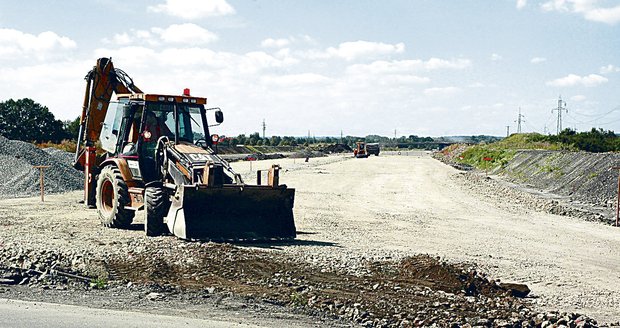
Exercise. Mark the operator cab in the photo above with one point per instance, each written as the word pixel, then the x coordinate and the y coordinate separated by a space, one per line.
pixel 136 123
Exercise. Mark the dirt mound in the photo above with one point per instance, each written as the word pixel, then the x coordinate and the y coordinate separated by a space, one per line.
pixel 393 293
pixel 307 154
pixel 19 177
pixel 336 148
pixel 451 154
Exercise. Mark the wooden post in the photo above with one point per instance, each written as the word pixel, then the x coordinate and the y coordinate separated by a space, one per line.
pixel 41 180
pixel 618 201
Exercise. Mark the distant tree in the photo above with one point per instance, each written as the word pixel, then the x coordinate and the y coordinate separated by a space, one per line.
pixel 72 128
pixel 27 120
pixel 276 141
pixel 254 138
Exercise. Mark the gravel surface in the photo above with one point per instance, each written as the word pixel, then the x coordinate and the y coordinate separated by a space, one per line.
pixel 362 224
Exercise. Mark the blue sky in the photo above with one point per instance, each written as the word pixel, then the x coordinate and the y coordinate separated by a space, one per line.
pixel 364 67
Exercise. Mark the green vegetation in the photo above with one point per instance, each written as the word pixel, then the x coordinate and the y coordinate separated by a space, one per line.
pixel 99 283
pixel 501 152
pixel 486 156
pixel 27 120
pixel 595 140
pixel 298 299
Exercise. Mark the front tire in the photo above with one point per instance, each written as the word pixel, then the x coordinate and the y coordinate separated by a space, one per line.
pixel 112 197
pixel 156 205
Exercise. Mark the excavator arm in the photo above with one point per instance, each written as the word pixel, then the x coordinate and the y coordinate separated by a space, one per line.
pixel 101 82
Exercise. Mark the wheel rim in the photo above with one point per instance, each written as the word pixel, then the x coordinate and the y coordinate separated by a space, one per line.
pixel 107 193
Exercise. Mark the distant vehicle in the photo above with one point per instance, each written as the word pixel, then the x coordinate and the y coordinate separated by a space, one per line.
pixel 372 149
pixel 360 150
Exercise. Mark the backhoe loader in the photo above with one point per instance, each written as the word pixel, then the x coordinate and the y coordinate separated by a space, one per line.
pixel 154 152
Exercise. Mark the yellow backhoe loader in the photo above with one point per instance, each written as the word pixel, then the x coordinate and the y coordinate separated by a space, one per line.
pixel 155 153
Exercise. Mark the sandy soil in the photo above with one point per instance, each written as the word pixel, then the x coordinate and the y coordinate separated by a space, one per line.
pixel 348 210
pixel 402 205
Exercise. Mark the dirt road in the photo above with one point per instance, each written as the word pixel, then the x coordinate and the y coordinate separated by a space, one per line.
pixel 350 210
pixel 403 205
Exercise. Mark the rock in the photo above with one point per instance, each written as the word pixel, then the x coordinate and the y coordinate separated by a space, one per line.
pixel 8 281
pixel 155 296
pixel 517 290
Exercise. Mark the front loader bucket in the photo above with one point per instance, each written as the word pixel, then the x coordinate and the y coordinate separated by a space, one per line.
pixel 232 212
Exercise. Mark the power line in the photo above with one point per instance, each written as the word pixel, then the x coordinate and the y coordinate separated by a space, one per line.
pixel 599 115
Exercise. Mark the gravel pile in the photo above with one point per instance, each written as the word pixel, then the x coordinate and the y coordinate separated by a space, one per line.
pixel 19 177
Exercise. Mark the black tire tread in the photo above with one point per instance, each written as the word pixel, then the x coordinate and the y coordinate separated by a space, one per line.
pixel 119 217
pixel 155 208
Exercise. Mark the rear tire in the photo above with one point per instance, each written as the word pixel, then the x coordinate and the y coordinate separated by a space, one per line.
pixel 156 205
pixel 111 198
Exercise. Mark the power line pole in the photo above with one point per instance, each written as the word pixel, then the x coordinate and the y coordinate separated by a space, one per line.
pixel 264 128
pixel 519 120
pixel 341 137
pixel 395 142
pixel 561 107
pixel 507 131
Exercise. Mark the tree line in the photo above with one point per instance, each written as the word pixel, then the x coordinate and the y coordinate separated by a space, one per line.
pixel 595 140
pixel 26 120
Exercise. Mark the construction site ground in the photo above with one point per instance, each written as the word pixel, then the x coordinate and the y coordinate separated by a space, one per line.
pixel 388 240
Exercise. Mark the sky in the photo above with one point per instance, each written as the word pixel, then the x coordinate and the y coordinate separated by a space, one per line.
pixel 360 67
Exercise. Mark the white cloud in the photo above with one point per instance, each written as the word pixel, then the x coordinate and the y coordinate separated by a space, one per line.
pixel 176 33
pixel 275 43
pixel 496 57
pixel 14 43
pixel 356 49
pixel 538 60
pixel 521 4
pixel 296 79
pixel 185 33
pixel 609 69
pixel 409 65
pixel 590 9
pixel 193 9
pixel 578 98
pixel 122 39
pixel 446 91
pixel 573 80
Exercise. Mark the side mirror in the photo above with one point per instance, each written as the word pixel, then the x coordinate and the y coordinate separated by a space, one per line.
pixel 219 116
pixel 115 132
